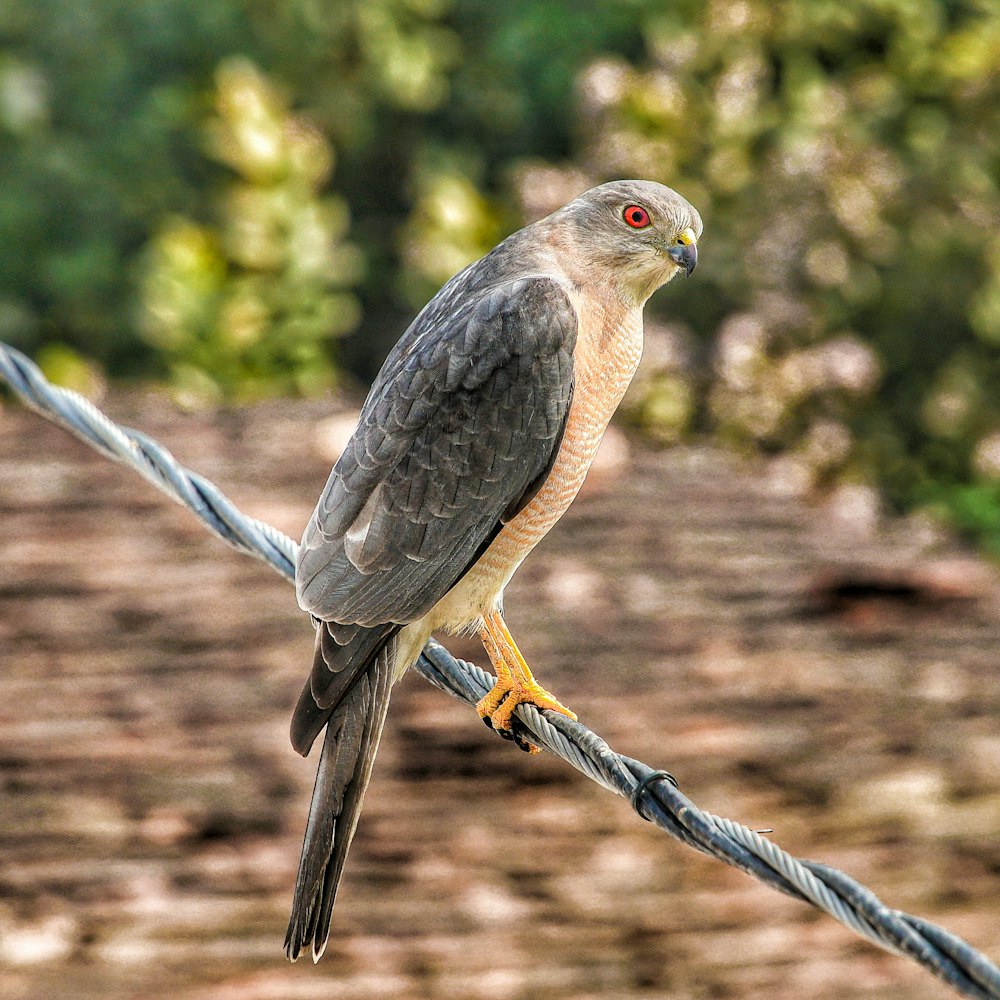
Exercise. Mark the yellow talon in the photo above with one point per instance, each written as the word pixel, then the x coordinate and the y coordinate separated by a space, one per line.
pixel 515 684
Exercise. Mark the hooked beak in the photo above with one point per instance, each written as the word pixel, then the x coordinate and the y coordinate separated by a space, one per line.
pixel 684 253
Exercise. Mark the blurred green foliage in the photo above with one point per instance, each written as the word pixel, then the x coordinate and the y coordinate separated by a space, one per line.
pixel 246 307
pixel 215 190
pixel 847 162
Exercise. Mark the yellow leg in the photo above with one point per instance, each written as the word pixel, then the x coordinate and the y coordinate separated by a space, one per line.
pixel 515 684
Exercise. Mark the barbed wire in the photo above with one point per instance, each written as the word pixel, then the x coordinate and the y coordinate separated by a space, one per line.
pixel 653 793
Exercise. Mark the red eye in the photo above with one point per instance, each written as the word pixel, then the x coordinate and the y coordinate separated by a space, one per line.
pixel 637 217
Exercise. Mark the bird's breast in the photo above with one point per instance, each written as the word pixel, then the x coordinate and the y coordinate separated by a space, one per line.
pixel 608 348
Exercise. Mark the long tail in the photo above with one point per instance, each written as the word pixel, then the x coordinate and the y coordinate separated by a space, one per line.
pixel 345 766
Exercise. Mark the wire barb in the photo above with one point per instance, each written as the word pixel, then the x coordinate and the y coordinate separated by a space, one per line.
pixel 953 960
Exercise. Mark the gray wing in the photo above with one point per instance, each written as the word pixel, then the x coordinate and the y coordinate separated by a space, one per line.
pixel 461 425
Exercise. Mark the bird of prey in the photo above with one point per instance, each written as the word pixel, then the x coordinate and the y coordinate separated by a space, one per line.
pixel 475 438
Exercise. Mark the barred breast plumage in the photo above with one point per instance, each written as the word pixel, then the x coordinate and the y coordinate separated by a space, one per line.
pixel 609 346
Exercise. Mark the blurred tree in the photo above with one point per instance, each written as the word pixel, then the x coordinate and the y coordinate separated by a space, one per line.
pixel 102 112
pixel 99 108
pixel 245 308
pixel 847 316
pixel 846 162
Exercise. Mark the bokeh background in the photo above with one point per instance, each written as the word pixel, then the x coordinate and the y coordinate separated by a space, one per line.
pixel 242 204
pixel 252 199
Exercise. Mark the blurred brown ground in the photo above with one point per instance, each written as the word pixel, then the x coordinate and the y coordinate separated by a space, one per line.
pixel 794 671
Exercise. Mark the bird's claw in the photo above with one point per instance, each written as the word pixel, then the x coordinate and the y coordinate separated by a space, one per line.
pixel 513 737
pixel 497 709
pixel 508 734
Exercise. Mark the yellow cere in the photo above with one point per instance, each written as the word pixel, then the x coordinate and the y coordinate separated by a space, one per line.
pixel 687 237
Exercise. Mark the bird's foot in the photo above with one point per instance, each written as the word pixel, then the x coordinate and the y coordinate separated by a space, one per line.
pixel 497 708
pixel 515 684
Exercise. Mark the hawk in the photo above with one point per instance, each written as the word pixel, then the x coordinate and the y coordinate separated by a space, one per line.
pixel 474 439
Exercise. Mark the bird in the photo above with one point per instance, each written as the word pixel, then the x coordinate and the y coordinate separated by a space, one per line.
pixel 475 437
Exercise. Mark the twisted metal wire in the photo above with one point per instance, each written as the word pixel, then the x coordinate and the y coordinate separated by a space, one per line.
pixel 653 793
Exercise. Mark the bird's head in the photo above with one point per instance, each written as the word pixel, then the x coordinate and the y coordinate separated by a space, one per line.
pixel 638 234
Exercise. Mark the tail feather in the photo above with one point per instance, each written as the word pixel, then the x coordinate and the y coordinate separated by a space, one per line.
pixel 345 767
pixel 342 653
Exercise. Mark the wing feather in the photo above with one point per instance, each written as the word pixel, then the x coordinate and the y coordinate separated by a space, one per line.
pixel 463 421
